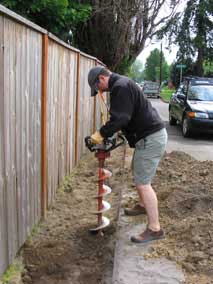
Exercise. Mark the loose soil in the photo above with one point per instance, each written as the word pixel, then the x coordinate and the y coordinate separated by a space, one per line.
pixel 63 251
pixel 184 187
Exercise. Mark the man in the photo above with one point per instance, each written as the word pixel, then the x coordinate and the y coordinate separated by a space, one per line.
pixel 132 112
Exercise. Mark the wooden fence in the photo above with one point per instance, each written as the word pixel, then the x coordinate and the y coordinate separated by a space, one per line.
pixel 45 113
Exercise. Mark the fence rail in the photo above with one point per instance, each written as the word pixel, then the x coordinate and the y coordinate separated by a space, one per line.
pixel 45 113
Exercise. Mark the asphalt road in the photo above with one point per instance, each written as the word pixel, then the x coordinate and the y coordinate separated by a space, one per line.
pixel 200 146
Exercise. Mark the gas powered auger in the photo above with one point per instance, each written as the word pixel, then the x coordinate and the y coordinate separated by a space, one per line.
pixel 102 151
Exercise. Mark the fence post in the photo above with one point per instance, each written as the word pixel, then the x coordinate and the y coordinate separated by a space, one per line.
pixel 77 107
pixel 44 126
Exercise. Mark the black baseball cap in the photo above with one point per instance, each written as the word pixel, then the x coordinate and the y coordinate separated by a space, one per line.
pixel 93 79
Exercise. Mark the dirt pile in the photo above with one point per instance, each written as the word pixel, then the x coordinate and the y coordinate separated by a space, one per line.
pixel 185 191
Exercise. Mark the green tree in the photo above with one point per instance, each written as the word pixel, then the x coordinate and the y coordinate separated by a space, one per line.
pixel 57 16
pixel 152 66
pixel 118 29
pixel 192 31
pixel 175 72
pixel 165 71
pixel 208 68
pixel 136 71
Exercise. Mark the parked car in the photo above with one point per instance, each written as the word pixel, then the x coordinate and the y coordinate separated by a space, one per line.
pixel 151 89
pixel 192 106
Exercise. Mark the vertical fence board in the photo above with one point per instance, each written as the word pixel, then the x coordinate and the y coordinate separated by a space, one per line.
pixel 49 119
pixel 9 139
pixel 30 130
pixel 44 126
pixel 71 81
pixel 3 213
pixel 49 122
pixel 69 95
pixel 27 116
pixel 61 112
pixel 18 90
pixel 77 108
pixel 54 125
pixel 52 128
pixel 56 129
pixel 23 124
pixel 38 64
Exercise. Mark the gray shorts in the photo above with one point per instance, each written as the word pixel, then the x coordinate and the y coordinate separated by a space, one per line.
pixel 147 155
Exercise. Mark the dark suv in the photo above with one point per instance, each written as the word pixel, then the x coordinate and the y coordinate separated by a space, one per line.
pixel 192 106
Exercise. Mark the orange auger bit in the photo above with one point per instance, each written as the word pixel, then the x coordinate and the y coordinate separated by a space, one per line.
pixel 102 152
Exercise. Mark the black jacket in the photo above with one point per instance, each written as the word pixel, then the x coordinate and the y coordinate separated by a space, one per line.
pixel 130 111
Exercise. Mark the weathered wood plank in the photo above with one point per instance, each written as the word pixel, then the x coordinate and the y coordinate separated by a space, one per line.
pixel 52 121
pixel 23 123
pixel 57 121
pixel 44 125
pixel 53 126
pixel 71 112
pixel 60 116
pixel 77 106
pixel 38 65
pixel 49 121
pixel 27 114
pixel 31 132
pixel 3 212
pixel 9 138
pixel 18 93
pixel 67 127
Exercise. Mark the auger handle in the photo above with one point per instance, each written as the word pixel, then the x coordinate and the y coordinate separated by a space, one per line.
pixel 108 145
pixel 89 144
pixel 114 146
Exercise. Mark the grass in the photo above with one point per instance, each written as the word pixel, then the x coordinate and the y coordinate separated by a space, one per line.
pixel 166 94
pixel 66 185
pixel 13 273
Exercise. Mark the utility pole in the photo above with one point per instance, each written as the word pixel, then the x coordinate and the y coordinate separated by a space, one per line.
pixel 181 72
pixel 161 58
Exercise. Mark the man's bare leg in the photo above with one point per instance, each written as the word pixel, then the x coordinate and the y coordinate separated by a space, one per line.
pixel 148 198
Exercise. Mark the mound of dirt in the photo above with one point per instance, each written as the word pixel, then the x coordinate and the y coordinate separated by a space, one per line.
pixel 185 192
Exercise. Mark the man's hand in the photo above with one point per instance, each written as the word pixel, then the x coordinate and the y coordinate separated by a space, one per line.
pixel 97 138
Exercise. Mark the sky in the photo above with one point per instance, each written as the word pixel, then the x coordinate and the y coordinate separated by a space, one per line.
pixel 169 55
